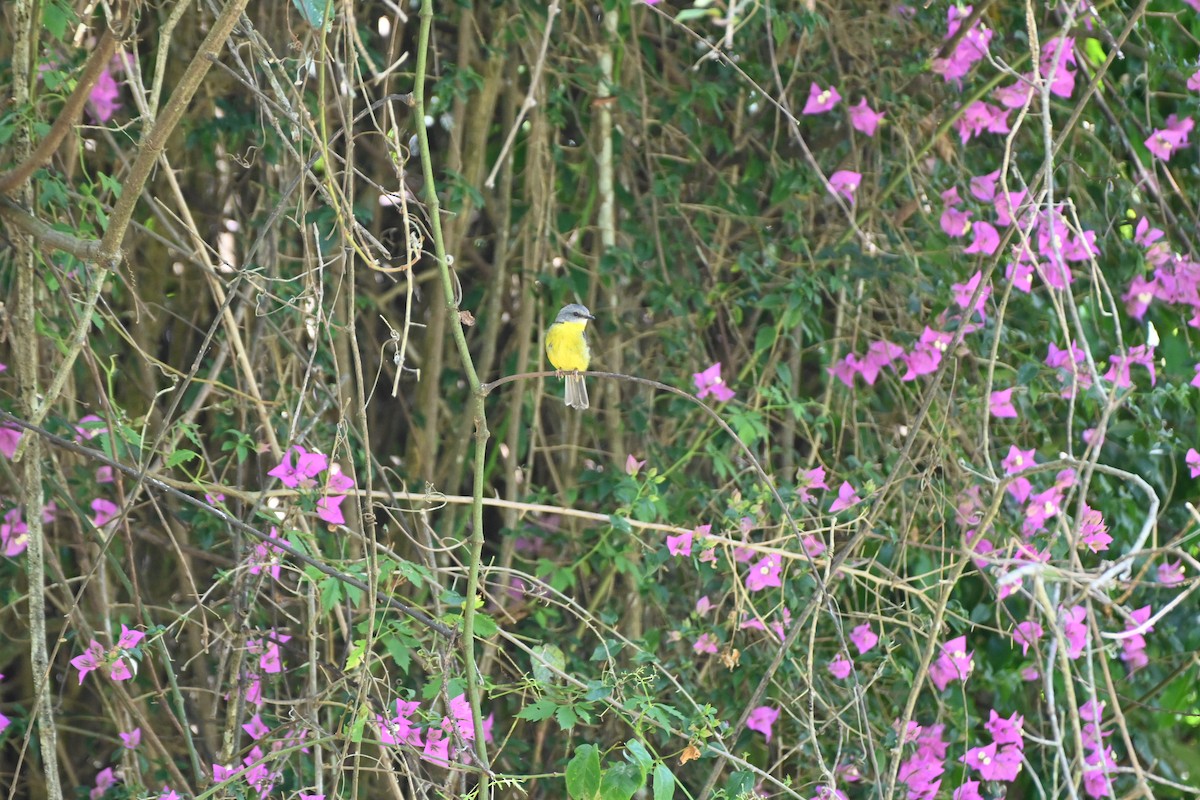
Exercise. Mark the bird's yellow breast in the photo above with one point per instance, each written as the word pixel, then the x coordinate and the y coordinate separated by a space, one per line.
pixel 566 346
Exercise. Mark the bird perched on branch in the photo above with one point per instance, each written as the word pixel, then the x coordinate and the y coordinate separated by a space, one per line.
pixel 568 351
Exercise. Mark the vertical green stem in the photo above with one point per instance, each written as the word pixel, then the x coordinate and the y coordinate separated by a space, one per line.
pixel 480 420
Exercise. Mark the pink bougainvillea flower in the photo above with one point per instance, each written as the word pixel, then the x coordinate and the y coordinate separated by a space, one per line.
pixel 986 240
pixel 703 605
pixel 256 728
pixel 632 465
pixel 400 729
pixel 709 382
pixel 307 466
pixel 983 187
pixel 1118 371
pixel 926 354
pixel 89 427
pixel 102 101
pixel 9 437
pixel 1001 405
pixel 1193 462
pixel 1027 634
pixel 1006 205
pixel 1170 573
pixel 954 663
pixel 1058 64
pixel 1020 274
pixel 1139 295
pixel 880 354
pixel 863 118
pixel 1006 730
pixel 90 660
pixel 762 720
pixel 1193 83
pixel 1018 460
pixel 14 533
pixel 820 100
pixel 845 182
pixel 847 496
pixel 971 48
pixel 812 545
pixel 812 479
pixel 980 117
pixel 964 291
pixel 1074 627
pixel 845 369
pixel 105 511
pixel 1164 142
pixel 840 667
pixel 105 780
pixel 863 638
pixel 680 545
pixel 1093 532
pixel 969 790
pixel 707 644
pixel 955 222
pixel 765 573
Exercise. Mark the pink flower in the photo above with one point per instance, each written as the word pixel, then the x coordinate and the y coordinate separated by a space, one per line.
pixel 840 667
pixel 308 466
pixel 1093 532
pixel 707 643
pixel 964 291
pixel 709 382
pixel 1027 635
pixel 131 740
pixel 105 511
pixel 1193 83
pixel 820 100
pixel 632 465
pixel 90 660
pixel 1165 141
pixel 1170 574
pixel 9 437
pixel 983 187
pixel 954 663
pixel 845 182
pixel 955 222
pixel 1075 631
pixel 863 118
pixel 1001 404
pixel 105 780
pixel 863 638
pixel 1006 730
pixel 102 102
pixel 765 573
pixel 847 496
pixel 1193 462
pixel 813 479
pixel 1017 460
pixel 256 728
pixel 762 719
pixel 680 545
pixel 986 240
pixel 703 605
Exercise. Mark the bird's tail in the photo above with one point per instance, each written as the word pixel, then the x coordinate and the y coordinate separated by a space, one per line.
pixel 576 391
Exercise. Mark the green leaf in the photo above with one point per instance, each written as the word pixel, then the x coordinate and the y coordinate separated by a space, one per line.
pixel 664 782
pixel 485 626
pixel 548 661
pixel 641 756
pixel 583 773
pixel 537 711
pixel 181 457
pixel 566 717
pixel 621 782
pixel 313 12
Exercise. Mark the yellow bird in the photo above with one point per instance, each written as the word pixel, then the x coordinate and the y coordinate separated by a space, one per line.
pixel 568 351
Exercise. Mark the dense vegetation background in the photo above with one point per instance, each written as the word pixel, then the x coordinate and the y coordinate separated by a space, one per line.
pixel 885 491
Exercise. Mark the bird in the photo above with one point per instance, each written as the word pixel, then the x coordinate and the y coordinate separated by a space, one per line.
pixel 568 351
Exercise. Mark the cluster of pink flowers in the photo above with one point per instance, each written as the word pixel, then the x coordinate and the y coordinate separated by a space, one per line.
pixel 96 656
pixel 436 742
pixel 998 761
pixel 921 773
pixel 300 469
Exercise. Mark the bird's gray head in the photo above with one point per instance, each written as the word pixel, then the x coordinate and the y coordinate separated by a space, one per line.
pixel 573 312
